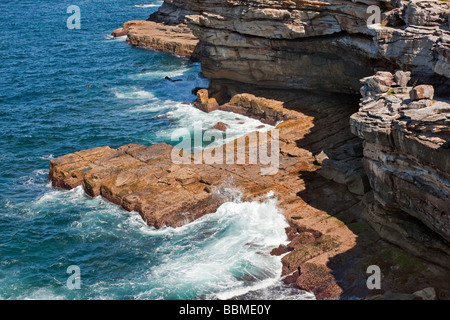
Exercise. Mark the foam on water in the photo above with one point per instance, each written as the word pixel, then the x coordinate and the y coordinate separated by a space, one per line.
pixel 185 116
pixel 109 37
pixel 227 251
pixel 157 4
pixel 168 100
pixel 219 256
pixel 134 94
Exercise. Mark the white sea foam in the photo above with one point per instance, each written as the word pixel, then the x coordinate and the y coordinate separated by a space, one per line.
pixel 121 38
pixel 58 196
pixel 219 256
pixel 109 37
pixel 160 74
pixel 234 257
pixel 158 4
pixel 133 94
pixel 150 107
pixel 168 99
pixel 47 157
pixel 182 115
pixel 42 294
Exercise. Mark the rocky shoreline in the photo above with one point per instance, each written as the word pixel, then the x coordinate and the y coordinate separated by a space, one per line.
pixel 361 181
pixel 327 230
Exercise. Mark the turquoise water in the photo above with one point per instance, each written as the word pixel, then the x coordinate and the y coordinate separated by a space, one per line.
pixel 66 90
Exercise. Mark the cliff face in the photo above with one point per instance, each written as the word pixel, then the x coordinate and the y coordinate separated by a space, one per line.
pixel 320 45
pixel 407 159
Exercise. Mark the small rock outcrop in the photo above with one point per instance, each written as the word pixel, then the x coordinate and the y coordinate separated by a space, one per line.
pixel 422 92
pixel 204 102
pixel 221 126
pixel 177 39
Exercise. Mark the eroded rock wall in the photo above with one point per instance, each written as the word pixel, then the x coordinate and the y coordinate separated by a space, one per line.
pixel 319 45
pixel 406 136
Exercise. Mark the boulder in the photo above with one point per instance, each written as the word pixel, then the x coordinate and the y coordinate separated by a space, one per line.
pixel 202 96
pixel 220 126
pixel 422 92
pixel 402 78
pixel 205 103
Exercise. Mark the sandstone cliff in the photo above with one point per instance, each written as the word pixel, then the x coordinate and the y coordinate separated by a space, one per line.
pixel 320 45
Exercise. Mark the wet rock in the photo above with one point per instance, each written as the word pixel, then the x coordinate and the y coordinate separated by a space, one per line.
pixel 172 80
pixel 292 278
pixel 220 126
pixel 282 249
pixel 120 32
pixel 204 102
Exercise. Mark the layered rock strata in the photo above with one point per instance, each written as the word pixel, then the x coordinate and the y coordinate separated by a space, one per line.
pixel 340 160
pixel 319 45
pixel 407 159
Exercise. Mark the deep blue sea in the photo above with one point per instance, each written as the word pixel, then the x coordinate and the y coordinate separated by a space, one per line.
pixel 65 90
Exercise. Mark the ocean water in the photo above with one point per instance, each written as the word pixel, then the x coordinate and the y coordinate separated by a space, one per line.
pixel 66 90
